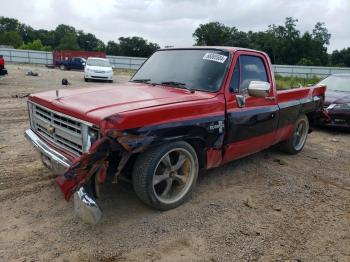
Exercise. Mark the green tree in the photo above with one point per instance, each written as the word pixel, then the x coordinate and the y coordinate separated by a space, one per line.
pixel 113 48
pixel 45 36
pixel 214 33
pixel 9 24
pixel 100 46
pixel 306 62
pixel 87 41
pixel 13 25
pixel 68 42
pixel 11 38
pixel 68 32
pixel 283 43
pixel 320 34
pixel 136 46
pixel 341 58
pixel 35 45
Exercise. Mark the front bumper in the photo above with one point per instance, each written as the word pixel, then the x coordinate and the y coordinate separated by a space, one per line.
pixel 50 157
pixel 336 118
pixel 101 76
pixel 84 205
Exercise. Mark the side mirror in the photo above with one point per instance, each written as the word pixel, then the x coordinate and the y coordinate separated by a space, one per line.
pixel 259 88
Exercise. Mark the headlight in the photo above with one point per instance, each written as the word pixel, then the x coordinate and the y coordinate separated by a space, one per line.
pixel 339 106
pixel 90 136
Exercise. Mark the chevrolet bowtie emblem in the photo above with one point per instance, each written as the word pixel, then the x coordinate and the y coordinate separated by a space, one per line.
pixel 50 129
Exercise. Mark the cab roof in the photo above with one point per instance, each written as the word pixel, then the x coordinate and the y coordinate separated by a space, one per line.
pixel 230 49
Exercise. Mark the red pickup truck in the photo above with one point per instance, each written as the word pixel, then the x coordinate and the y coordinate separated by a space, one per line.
pixel 3 70
pixel 184 110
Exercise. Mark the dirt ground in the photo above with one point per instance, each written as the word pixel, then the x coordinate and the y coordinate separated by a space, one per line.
pixel 266 207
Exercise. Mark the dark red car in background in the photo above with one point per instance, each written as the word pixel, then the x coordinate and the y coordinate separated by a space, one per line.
pixel 337 100
pixel 3 71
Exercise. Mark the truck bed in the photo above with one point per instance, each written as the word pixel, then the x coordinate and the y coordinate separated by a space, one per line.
pixel 300 93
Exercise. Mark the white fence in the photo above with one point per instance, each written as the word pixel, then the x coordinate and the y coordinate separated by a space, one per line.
pixel 308 71
pixel 126 62
pixel 45 58
pixel 38 57
pixel 26 56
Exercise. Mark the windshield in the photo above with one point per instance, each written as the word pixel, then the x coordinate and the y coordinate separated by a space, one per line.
pixel 337 83
pixel 98 62
pixel 193 69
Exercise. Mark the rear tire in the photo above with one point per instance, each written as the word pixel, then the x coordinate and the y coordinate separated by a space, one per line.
pixel 165 177
pixel 297 140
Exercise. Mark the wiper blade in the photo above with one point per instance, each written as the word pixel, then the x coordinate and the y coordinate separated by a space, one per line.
pixel 145 80
pixel 173 83
pixel 177 84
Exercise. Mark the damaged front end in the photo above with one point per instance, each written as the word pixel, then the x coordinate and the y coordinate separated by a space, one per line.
pixel 99 163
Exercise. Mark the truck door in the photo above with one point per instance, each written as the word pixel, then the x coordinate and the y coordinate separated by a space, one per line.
pixel 251 121
pixel 75 63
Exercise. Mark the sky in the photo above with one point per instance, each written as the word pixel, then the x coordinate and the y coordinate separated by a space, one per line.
pixel 172 22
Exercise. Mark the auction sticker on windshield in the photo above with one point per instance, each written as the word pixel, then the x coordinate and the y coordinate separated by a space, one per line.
pixel 215 57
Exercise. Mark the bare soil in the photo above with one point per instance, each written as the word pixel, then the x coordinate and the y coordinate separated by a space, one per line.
pixel 266 207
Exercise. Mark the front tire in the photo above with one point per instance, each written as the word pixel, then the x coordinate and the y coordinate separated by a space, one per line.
pixel 164 177
pixel 297 140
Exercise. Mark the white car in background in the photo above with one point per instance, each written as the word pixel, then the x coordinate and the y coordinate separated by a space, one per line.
pixel 99 69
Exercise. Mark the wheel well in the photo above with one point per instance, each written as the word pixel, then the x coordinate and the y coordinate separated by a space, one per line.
pixel 199 146
pixel 196 143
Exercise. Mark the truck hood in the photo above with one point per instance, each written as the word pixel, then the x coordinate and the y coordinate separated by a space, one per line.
pixel 96 103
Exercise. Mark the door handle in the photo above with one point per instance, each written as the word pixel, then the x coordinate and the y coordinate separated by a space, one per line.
pixel 240 99
pixel 270 98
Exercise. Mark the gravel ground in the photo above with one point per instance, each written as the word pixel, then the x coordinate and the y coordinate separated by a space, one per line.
pixel 266 207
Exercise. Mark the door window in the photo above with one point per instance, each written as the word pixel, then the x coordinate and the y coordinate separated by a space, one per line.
pixel 252 69
pixel 248 68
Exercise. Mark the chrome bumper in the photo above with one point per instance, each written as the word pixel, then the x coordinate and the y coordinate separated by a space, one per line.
pixel 58 162
pixel 86 208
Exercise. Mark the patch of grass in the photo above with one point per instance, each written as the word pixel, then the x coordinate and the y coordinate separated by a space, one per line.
pixel 288 82
pixel 126 72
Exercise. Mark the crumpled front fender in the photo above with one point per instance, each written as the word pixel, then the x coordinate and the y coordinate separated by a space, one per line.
pixel 96 160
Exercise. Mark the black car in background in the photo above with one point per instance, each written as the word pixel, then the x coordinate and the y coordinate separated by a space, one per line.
pixel 337 100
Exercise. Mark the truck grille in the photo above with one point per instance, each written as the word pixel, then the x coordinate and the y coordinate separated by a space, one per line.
pixel 62 130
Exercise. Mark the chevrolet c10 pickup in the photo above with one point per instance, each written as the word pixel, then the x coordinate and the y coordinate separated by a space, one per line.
pixel 184 110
